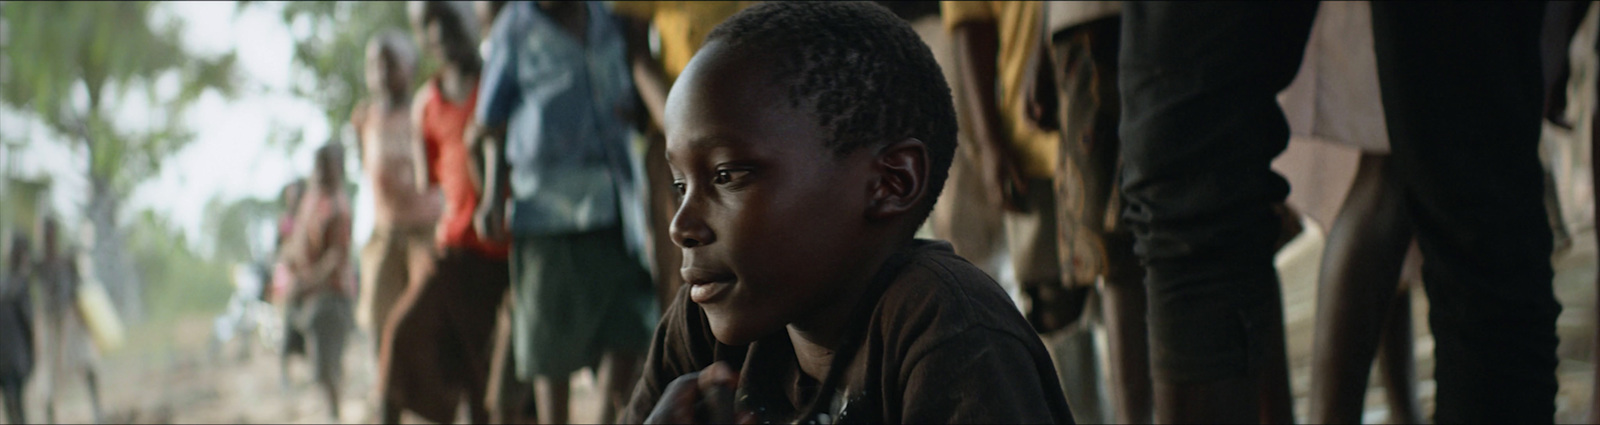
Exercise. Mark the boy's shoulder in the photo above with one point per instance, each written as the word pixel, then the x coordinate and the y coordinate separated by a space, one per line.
pixel 936 295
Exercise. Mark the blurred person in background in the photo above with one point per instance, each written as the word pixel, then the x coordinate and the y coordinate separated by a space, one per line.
pixel 437 346
pixel 998 48
pixel 16 328
pixel 510 399
pixel 289 204
pixel 318 254
pixel 67 346
pixel 555 103
pixel 1201 125
pixel 1075 92
pixel 400 248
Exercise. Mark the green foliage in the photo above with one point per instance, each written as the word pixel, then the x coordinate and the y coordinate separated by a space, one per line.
pixel 178 280
pixel 107 49
pixel 332 48
pixel 230 225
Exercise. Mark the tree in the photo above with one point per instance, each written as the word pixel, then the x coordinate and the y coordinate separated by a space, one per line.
pixel 105 51
pixel 229 225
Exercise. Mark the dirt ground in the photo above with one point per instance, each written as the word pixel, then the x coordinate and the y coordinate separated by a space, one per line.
pixel 180 381
pixel 175 378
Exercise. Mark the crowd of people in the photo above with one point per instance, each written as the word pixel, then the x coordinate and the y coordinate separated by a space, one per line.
pixel 715 208
pixel 57 336
pixel 746 179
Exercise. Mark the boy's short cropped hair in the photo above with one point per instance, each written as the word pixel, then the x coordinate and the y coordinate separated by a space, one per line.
pixel 865 73
pixel 398 49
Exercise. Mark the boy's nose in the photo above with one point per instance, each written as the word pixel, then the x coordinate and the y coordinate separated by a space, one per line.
pixel 689 228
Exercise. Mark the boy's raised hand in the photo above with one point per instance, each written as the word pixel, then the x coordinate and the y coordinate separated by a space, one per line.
pixel 704 397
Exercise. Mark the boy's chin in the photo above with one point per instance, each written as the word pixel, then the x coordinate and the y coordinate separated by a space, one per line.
pixel 734 332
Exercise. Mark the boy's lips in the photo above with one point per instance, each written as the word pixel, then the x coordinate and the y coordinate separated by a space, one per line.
pixel 705 285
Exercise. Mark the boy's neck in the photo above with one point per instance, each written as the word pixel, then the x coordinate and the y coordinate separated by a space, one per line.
pixel 454 84
pixel 816 339
pixel 394 101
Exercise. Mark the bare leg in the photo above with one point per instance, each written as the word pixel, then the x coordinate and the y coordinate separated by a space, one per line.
pixel 1594 159
pixel 1128 346
pixel 1360 269
pixel 14 406
pixel 388 412
pixel 1396 362
pixel 552 393
pixel 94 394
pixel 620 373
pixel 332 390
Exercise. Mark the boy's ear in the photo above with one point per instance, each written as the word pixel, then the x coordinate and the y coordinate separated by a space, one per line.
pixel 902 182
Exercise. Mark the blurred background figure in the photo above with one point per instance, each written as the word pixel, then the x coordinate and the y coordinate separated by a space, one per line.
pixel 583 294
pixel 70 354
pixel 510 399
pixel 68 344
pixel 400 248
pixel 16 327
pixel 319 303
pixel 1075 92
pixel 437 348
pixel 999 48
pixel 1463 154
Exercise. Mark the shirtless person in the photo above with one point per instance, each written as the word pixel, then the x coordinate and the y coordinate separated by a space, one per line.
pixel 401 245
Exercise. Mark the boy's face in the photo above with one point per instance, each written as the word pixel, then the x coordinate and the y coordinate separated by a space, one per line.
pixel 377 69
pixel 383 74
pixel 771 223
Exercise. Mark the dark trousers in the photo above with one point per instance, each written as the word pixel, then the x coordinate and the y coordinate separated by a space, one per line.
pixel 1461 88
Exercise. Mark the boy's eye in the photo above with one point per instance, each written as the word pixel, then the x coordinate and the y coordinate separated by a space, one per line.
pixel 727 176
pixel 678 186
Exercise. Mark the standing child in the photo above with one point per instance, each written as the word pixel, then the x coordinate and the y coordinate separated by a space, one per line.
pixel 556 85
pixel 401 246
pixel 436 349
pixel 68 346
pixel 808 141
pixel 319 304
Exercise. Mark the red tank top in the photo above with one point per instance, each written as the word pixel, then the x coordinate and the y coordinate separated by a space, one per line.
pixel 444 125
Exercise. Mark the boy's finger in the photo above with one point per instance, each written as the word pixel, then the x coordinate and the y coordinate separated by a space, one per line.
pixel 719 374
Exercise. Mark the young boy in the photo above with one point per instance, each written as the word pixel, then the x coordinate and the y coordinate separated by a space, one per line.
pixel 318 256
pixel 556 86
pixel 407 207
pixel 808 142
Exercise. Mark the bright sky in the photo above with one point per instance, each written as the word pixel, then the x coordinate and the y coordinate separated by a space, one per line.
pixel 230 155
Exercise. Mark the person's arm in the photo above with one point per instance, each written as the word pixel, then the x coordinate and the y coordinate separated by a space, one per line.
pixel 358 120
pixel 419 140
pixel 490 219
pixel 977 47
pixel 498 95
pixel 648 75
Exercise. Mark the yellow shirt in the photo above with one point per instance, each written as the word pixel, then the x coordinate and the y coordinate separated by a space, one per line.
pixel 1018 23
pixel 682 25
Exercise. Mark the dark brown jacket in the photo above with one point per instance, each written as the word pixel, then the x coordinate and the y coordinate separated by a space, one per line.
pixel 942 344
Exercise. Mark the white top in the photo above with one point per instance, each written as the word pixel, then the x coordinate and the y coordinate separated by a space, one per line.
pixel 1335 96
pixel 1060 15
